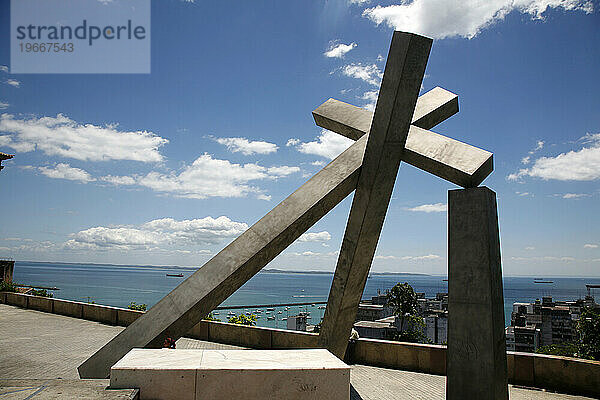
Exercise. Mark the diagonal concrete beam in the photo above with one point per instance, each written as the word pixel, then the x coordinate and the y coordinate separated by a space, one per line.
pixel 397 100
pixel 233 266
pixel 449 159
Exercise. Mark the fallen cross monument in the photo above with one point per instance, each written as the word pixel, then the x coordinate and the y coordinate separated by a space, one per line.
pixel 395 132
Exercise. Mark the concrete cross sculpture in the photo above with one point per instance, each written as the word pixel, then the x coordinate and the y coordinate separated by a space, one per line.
pixel 396 131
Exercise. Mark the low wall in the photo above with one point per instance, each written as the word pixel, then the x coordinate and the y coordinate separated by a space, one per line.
pixel 563 374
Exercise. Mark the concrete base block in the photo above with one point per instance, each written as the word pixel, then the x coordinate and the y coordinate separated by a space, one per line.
pixel 233 374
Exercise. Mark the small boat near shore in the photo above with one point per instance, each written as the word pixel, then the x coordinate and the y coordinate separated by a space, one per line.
pixel 176 275
pixel 543 281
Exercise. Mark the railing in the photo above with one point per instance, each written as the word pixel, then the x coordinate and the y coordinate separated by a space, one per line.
pixel 563 374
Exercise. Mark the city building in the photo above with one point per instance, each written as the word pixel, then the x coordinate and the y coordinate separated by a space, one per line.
pixel 544 323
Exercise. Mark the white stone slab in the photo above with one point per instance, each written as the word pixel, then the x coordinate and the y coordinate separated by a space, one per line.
pixel 233 374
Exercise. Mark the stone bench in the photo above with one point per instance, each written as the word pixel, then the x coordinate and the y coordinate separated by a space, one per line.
pixel 232 374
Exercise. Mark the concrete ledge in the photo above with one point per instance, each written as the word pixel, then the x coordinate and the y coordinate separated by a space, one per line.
pixel 69 308
pixel 45 304
pixel 104 314
pixel 17 299
pixel 3 297
pixel 125 317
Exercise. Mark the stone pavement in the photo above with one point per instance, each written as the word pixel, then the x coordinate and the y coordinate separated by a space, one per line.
pixel 40 349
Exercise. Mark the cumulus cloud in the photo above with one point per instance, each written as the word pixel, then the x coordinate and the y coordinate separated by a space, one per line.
pixel 359 2
pixel 119 180
pixel 292 142
pixel 315 237
pixel 210 177
pixel 429 208
pixel 63 137
pixel 13 83
pixel 369 73
pixel 575 165
pixel 590 246
pixel 246 147
pixel 338 50
pixel 371 98
pixel 463 18
pixel 65 171
pixel 4 68
pixel 165 231
pixel 328 144
pixel 3 105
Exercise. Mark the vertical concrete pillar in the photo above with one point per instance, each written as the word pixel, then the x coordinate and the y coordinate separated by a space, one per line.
pixel 476 358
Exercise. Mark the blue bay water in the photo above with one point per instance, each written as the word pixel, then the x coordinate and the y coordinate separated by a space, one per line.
pixel 117 285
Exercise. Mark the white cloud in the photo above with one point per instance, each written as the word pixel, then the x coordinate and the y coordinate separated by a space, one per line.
pixel 463 18
pixel 63 137
pixel 165 231
pixel 523 194
pixel 315 237
pixel 119 180
pixel 292 142
pixel 313 254
pixel 3 105
pixel 338 50
pixel 590 246
pixel 429 208
pixel 579 165
pixel 210 177
pixel 529 248
pixel 246 147
pixel 428 257
pixel 13 83
pixel 574 195
pixel 4 68
pixel 369 73
pixel 359 2
pixel 283 170
pixel 65 171
pixel 371 98
pixel 329 145
pixel 546 259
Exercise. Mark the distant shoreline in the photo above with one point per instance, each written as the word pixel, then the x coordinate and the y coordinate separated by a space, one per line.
pixel 281 271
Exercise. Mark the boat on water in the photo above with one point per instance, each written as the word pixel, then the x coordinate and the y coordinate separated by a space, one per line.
pixel 543 281
pixel 176 275
pixel 270 318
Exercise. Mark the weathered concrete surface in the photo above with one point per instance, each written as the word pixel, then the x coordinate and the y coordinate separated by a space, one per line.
pixel 476 358
pixel 232 374
pixel 60 343
pixel 54 389
pixel 402 78
pixel 221 276
pixel 454 161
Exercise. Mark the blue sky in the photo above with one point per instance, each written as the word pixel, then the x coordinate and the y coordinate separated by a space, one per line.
pixel 169 167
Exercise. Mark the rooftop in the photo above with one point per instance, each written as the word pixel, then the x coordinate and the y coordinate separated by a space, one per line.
pixel 39 354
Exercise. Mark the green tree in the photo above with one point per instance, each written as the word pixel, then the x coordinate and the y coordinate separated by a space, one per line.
pixel 211 317
pixel 403 299
pixel 588 328
pixel 243 319
pixel 7 287
pixel 566 349
pixel 41 292
pixel 138 307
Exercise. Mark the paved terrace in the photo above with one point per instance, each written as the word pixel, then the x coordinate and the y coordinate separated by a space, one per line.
pixel 40 352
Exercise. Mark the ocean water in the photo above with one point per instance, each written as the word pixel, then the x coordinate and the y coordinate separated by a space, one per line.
pixel 117 285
